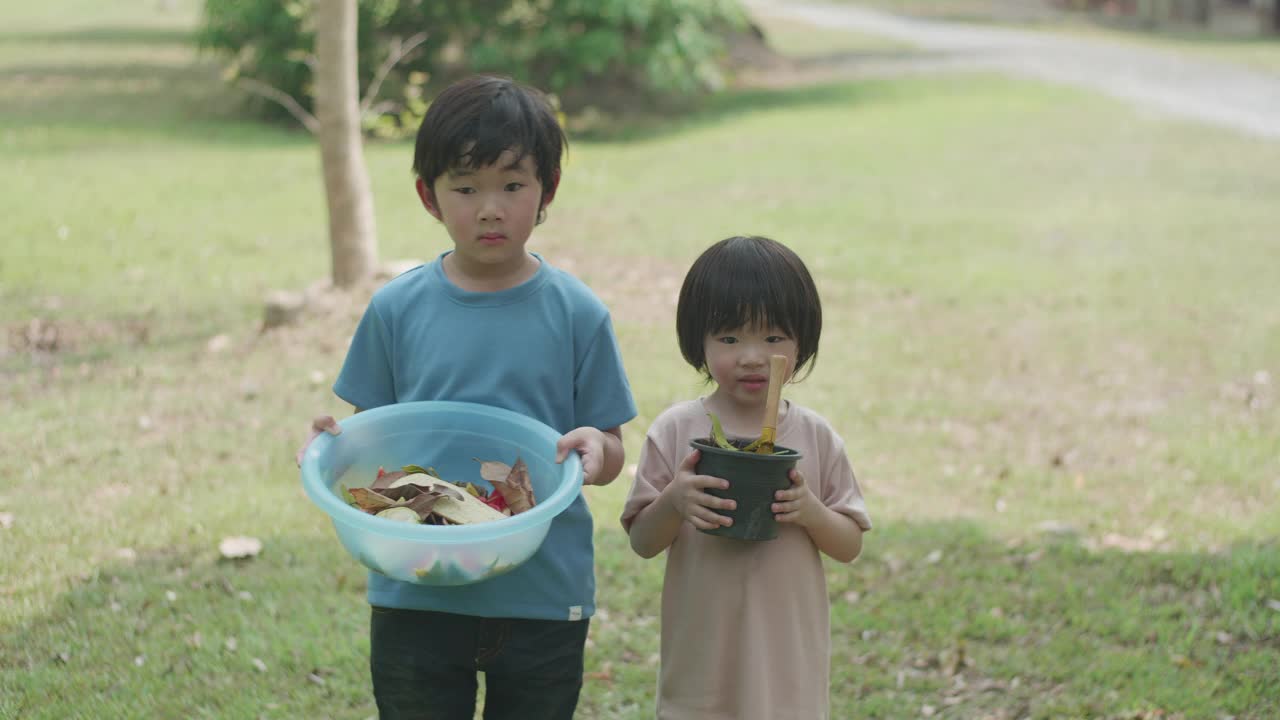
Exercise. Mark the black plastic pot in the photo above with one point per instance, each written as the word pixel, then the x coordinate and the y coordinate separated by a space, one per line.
pixel 753 480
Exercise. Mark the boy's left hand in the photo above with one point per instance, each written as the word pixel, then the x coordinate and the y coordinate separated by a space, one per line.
pixel 797 504
pixel 589 442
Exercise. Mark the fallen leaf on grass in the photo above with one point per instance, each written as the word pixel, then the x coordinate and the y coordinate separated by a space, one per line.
pixel 1055 527
pixel 1126 544
pixel 892 563
pixel 261 666
pixel 604 675
pixel 238 546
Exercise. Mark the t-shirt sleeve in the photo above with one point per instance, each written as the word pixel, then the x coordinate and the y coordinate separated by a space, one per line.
pixel 601 393
pixel 654 472
pixel 840 490
pixel 366 379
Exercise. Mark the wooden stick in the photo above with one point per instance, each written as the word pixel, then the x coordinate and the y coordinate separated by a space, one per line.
pixel 777 373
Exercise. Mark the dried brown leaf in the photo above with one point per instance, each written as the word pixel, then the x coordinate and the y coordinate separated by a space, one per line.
pixel 493 471
pixel 456 505
pixel 371 501
pixel 387 479
pixel 424 502
pixel 516 488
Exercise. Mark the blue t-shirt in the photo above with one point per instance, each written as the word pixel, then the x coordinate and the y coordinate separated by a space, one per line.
pixel 545 349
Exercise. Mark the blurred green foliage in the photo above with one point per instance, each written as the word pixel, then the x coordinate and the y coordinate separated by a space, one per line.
pixel 586 52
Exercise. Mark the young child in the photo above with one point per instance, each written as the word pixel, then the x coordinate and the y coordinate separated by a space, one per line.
pixel 489 322
pixel 745 625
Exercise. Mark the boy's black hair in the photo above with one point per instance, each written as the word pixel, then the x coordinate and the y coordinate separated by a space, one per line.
pixel 473 121
pixel 748 281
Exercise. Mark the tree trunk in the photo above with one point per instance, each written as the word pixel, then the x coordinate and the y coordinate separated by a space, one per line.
pixel 1148 13
pixel 1202 12
pixel 353 239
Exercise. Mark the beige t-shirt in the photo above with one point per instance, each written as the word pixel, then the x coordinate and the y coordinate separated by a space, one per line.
pixel 745 625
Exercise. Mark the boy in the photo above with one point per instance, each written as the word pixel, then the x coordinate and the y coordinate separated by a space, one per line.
pixel 489 322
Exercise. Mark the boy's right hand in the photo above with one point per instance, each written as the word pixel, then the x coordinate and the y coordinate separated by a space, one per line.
pixel 323 423
pixel 687 495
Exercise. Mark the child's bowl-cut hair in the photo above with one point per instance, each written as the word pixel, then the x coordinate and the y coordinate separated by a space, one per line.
pixel 748 281
pixel 472 122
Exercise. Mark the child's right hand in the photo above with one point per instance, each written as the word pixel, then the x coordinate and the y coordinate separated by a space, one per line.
pixel 687 495
pixel 323 423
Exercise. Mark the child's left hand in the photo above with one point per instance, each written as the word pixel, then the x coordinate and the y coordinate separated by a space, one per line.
pixel 797 504
pixel 589 442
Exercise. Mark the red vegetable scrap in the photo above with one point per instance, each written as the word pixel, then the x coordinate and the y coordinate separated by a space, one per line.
pixel 386 479
pixel 496 501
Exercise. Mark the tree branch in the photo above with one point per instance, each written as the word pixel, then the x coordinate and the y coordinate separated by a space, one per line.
pixel 395 54
pixel 285 100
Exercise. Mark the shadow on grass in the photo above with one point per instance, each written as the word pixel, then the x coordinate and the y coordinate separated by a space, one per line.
pixel 152 81
pixel 153 99
pixel 728 104
pixel 102 36
pixel 174 98
pixel 189 101
pixel 944 614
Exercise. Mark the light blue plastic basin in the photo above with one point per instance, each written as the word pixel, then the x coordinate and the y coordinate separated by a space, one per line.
pixel 446 436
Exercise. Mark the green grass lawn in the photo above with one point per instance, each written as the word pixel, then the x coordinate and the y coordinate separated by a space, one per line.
pixel 1052 344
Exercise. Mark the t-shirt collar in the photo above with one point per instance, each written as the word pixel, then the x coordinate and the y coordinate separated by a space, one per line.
pixel 489 299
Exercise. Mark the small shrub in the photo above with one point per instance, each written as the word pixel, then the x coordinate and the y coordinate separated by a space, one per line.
pixel 587 52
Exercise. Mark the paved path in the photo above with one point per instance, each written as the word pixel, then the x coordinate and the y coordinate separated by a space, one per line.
pixel 1212 92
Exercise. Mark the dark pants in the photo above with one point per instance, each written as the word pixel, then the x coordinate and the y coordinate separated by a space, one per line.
pixel 424 665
